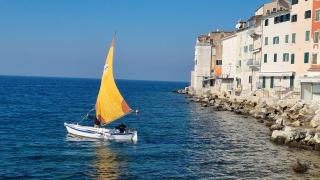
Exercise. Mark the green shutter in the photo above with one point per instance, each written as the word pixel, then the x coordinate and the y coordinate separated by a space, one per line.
pixel 307 35
pixel 265 58
pixel 293 37
pixel 263 82
pixel 316 37
pixel 306 57
pixel 291 82
pixel 266 41
pixel 287 39
pixel 275 57
pixel 292 58
pixel 271 82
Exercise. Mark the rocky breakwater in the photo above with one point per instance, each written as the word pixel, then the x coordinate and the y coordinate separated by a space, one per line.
pixel 291 121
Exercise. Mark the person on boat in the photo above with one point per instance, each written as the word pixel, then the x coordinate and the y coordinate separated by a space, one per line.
pixel 122 127
pixel 95 120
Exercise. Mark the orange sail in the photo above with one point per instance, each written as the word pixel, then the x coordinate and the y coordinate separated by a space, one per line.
pixel 110 104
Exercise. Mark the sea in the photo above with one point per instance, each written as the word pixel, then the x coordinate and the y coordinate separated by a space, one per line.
pixel 177 139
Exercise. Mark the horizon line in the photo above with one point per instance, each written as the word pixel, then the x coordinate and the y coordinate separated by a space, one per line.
pixel 92 78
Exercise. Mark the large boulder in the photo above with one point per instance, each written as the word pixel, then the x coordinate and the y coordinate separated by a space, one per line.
pixel 306 110
pixel 279 137
pixel 276 127
pixel 296 107
pixel 317 138
pixel 206 99
pixel 315 122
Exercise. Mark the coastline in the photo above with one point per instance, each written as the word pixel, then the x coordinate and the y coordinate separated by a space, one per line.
pixel 291 122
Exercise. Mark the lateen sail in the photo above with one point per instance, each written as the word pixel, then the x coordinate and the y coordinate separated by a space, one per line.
pixel 110 104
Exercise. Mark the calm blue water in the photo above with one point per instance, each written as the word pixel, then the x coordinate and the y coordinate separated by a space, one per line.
pixel 176 139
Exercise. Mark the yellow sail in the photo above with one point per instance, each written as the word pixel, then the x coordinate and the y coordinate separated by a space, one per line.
pixel 110 104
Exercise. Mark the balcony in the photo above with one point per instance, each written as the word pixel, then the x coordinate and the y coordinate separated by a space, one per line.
pixel 203 44
pixel 254 64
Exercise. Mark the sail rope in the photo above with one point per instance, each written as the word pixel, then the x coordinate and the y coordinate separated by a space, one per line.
pixel 85 116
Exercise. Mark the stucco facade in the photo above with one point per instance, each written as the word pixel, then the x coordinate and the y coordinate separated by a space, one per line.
pixel 208 61
pixel 229 59
pixel 202 67
pixel 286 48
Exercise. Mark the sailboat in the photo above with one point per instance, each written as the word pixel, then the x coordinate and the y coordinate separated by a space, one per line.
pixel 110 106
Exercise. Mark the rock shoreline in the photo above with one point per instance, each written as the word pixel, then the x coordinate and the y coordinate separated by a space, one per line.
pixel 291 121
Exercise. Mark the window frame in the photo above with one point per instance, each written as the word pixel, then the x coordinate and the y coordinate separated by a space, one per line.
pixel 306 57
pixel 286 39
pixel 307 37
pixel 293 38
pixel 265 58
pixel 294 18
pixel 285 57
pixel 307 14
pixel 292 58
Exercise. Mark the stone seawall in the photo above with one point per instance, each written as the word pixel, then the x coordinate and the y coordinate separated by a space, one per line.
pixel 291 121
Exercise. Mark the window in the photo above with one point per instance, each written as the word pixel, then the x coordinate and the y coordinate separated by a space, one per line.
pixel 218 62
pixel 292 58
pixel 307 35
pixel 314 58
pixel 293 2
pixel 266 22
pixel 316 88
pixel 263 82
pixel 265 58
pixel 281 18
pixel 251 47
pixel 285 57
pixel 306 57
pixel 293 38
pixel 271 82
pixel 276 40
pixel 287 17
pixel 318 15
pixel 276 20
pixel 287 39
pixel 245 49
pixel 307 14
pixel 291 82
pixel 316 37
pixel 275 57
pixel 250 79
pixel 294 18
pixel 274 9
pixel 266 41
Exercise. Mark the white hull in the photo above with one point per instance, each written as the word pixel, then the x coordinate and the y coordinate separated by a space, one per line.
pixel 101 133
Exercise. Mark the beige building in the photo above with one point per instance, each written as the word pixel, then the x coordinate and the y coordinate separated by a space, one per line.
pixel 208 61
pixel 286 48
pixel 248 55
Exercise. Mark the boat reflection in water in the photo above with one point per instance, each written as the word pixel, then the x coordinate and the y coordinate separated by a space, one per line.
pixel 104 163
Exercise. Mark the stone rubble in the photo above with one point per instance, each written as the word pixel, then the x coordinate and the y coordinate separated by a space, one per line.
pixel 291 121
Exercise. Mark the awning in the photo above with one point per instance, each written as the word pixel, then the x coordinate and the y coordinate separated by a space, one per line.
pixel 277 74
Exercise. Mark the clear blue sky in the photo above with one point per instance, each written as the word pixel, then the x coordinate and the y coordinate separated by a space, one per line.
pixel 70 38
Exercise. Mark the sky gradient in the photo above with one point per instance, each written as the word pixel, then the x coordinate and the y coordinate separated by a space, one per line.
pixel 71 38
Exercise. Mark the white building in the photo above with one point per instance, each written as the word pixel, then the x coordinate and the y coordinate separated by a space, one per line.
pixel 229 59
pixel 202 67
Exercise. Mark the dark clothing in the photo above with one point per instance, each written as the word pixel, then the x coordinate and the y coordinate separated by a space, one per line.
pixel 122 127
pixel 94 119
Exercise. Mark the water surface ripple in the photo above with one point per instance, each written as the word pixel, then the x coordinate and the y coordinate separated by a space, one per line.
pixel 177 139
